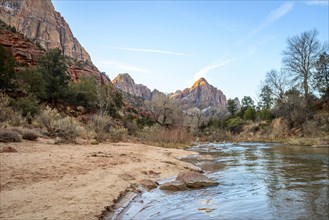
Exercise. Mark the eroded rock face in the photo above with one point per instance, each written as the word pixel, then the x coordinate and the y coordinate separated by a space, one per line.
pixel 125 83
pixel 24 51
pixel 39 22
pixel 201 95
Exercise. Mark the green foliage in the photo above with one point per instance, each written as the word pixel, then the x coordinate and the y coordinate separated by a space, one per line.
pixel 32 82
pixel 249 114
pixel 321 76
pixel 116 104
pixel 144 121
pixel 247 102
pixel 28 106
pixel 4 26
pixel 247 111
pixel 265 114
pixel 235 124
pixel 53 67
pixel 7 72
pixel 266 97
pixel 83 93
pixel 231 106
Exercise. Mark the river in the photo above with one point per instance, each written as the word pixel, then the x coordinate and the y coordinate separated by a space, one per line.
pixel 256 181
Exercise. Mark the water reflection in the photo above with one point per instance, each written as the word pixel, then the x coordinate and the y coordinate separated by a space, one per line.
pixel 257 181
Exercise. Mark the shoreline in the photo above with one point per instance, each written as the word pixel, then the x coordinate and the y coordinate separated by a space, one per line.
pixel 43 180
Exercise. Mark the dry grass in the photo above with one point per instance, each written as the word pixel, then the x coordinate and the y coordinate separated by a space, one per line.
pixel 163 137
pixel 64 127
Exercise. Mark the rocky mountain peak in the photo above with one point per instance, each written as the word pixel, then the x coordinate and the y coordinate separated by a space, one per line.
pixel 201 95
pixel 125 83
pixel 200 82
pixel 123 77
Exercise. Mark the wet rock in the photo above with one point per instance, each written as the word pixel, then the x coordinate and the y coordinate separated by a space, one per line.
pixel 149 184
pixel 8 149
pixel 174 186
pixel 195 180
pixel 189 179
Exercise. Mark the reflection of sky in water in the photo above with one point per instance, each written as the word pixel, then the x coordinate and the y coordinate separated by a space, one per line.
pixel 256 181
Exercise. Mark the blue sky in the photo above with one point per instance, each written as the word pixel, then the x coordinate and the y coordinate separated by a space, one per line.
pixel 169 44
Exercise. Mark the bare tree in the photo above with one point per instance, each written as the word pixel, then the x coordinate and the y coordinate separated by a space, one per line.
pixel 277 82
pixel 165 112
pixel 300 57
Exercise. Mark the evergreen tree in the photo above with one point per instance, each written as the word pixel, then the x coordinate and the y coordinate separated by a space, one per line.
pixel 53 67
pixel 7 72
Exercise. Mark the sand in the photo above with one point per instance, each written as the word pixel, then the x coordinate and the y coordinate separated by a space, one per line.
pixel 47 181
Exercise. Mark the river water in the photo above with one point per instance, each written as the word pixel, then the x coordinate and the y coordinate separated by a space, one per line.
pixel 256 181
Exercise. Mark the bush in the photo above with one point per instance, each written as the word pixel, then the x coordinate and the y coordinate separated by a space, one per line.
pixel 28 106
pixel 118 134
pixel 7 115
pixel 235 125
pixel 9 136
pixel 30 135
pixel 104 129
pixel 64 127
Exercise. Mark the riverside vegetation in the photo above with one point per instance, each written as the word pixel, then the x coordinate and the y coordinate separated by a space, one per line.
pixel 42 100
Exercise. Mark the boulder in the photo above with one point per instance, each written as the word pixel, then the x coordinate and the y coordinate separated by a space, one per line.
pixel 189 179
pixel 149 184
pixel 174 186
pixel 195 180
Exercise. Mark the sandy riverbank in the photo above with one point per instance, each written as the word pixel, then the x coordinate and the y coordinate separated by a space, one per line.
pixel 47 181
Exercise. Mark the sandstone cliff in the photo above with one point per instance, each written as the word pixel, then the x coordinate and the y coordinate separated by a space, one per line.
pixel 201 95
pixel 38 21
pixel 125 83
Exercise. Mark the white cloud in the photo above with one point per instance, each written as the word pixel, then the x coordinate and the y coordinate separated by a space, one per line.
pixel 122 67
pixel 318 2
pixel 272 17
pixel 150 50
pixel 275 15
pixel 205 70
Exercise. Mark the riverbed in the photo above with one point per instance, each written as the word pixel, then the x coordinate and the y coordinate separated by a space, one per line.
pixel 256 181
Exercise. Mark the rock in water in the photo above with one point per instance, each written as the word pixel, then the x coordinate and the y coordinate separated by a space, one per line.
pixel 149 184
pixel 194 179
pixel 189 179
pixel 174 186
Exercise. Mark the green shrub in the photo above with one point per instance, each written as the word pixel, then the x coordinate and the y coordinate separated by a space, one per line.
pixel 28 106
pixel 9 136
pixel 235 125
